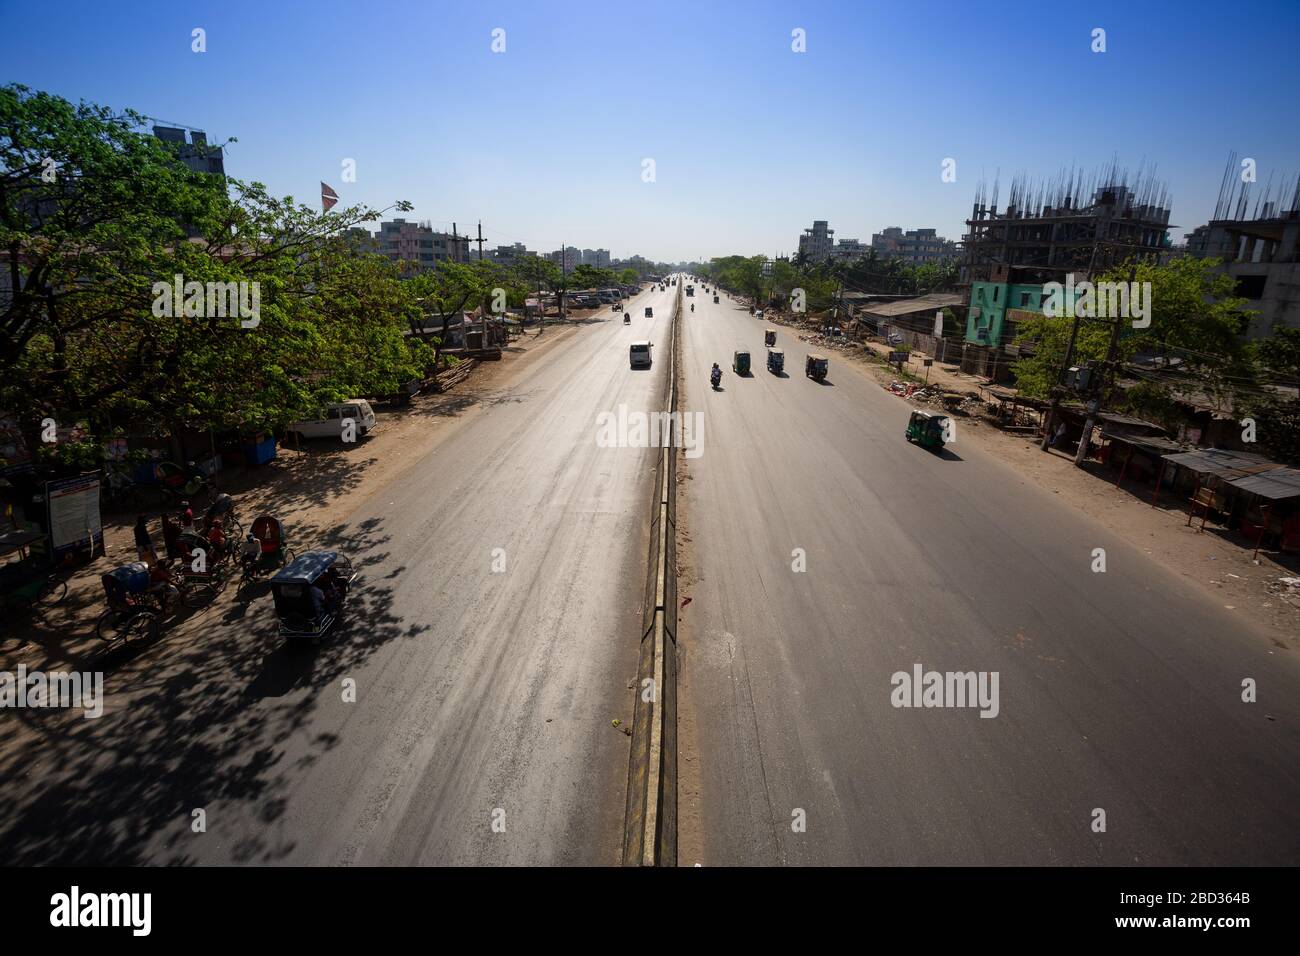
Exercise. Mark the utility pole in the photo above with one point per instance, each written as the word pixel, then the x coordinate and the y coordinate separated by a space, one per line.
pixel 1060 381
pixel 564 276
pixel 480 240
pixel 1095 404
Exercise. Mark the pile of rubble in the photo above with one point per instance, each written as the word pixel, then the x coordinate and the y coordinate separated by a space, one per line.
pixel 956 402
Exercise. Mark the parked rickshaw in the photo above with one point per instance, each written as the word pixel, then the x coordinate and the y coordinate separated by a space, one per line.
pixel 816 367
pixel 769 337
pixel 775 360
pixel 740 363
pixel 189 482
pixel 927 429
pixel 135 604
pixel 309 594
pixel 273 541
pixel 199 582
pixel 223 507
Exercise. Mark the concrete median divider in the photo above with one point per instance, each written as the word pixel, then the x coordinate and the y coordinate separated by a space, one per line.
pixel 650 823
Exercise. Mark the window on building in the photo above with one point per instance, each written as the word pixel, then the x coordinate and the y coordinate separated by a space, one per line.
pixel 1251 287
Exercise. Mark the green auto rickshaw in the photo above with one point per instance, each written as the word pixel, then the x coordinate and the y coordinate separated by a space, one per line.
pixel 928 429
pixel 740 363
pixel 816 366
pixel 775 361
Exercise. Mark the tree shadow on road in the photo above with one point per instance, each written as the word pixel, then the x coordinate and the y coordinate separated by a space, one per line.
pixel 202 727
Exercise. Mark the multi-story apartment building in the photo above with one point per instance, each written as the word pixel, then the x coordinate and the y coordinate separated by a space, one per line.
pixel 568 258
pixel 849 249
pixel 418 243
pixel 916 247
pixel 817 243
pixel 508 255
pixel 596 257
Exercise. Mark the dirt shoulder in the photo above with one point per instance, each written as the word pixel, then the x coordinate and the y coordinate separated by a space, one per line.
pixel 1218 561
pixel 313 492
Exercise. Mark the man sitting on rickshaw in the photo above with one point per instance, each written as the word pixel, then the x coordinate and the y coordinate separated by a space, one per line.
pixel 217 539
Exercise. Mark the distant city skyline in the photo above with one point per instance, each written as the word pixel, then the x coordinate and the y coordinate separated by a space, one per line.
pixel 750 141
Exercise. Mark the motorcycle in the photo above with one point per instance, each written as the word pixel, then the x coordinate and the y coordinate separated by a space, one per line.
pixel 692 306
pixel 715 377
pixel 627 319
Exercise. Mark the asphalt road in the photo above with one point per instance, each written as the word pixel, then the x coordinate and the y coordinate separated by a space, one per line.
pixel 1119 691
pixel 482 696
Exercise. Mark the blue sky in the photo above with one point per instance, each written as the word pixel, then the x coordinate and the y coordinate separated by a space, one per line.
pixel 751 142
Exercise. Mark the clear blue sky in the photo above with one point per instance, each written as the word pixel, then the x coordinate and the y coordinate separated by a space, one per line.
pixel 751 141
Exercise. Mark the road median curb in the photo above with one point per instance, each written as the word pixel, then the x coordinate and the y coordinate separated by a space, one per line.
pixel 650 823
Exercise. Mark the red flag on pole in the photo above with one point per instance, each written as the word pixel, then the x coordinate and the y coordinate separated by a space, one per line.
pixel 328 197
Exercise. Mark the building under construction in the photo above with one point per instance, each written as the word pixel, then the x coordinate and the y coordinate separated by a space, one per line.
pixel 1257 237
pixel 1081 223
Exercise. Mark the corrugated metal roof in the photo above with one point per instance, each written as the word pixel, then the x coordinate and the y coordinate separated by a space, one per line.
pixel 1276 484
pixel 1223 463
pixel 907 306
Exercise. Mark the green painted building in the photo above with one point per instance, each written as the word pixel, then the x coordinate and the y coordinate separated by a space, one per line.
pixel 996 308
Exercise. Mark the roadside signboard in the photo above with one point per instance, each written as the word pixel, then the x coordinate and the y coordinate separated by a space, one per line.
pixel 73 508
pixel 898 357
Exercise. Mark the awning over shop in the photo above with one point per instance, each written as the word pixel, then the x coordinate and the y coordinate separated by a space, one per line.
pixel 1221 463
pixel 1276 485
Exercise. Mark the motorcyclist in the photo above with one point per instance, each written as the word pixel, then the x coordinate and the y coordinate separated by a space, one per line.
pixel 715 376
pixel 692 306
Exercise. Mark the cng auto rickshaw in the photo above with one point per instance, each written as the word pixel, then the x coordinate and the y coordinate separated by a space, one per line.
pixel 769 337
pixel 816 367
pixel 927 429
pixel 775 360
pixel 309 593
pixel 740 363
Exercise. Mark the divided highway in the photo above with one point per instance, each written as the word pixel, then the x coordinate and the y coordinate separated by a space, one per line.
pixel 1119 692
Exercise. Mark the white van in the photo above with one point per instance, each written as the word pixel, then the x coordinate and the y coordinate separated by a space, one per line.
pixel 329 422
pixel 639 354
